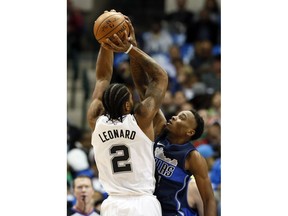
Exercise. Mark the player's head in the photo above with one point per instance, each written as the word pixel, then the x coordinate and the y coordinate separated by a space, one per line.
pixel 187 124
pixel 117 101
pixel 83 188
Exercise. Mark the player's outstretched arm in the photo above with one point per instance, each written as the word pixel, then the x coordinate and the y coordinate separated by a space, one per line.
pixel 104 69
pixel 141 82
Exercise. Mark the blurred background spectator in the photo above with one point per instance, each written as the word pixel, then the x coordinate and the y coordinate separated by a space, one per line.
pixel 183 36
pixel 85 197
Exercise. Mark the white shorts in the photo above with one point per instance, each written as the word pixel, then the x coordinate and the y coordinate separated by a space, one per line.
pixel 131 206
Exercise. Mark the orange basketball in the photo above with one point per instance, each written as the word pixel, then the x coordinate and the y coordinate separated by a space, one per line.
pixel 108 24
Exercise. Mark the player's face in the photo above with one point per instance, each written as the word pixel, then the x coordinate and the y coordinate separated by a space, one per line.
pixel 83 189
pixel 181 123
pixel 131 101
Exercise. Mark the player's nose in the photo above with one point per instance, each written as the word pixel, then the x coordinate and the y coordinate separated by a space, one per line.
pixel 174 118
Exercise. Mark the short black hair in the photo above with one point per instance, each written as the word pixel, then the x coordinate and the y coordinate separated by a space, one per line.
pixel 113 99
pixel 200 125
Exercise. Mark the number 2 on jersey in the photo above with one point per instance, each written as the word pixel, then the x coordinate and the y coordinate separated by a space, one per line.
pixel 119 161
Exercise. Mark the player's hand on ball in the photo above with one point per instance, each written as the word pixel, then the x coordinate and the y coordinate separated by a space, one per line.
pixel 132 37
pixel 117 45
pixel 112 10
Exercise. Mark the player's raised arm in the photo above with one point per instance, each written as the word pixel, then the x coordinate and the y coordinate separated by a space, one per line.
pixel 156 88
pixel 141 81
pixel 104 69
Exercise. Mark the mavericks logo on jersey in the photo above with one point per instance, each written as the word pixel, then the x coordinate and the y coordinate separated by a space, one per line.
pixel 165 166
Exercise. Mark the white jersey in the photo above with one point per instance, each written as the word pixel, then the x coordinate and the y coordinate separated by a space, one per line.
pixel 124 157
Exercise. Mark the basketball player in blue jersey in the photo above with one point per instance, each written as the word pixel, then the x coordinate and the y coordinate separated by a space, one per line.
pixel 122 142
pixel 176 158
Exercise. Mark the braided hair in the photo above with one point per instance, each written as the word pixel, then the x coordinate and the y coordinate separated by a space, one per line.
pixel 113 99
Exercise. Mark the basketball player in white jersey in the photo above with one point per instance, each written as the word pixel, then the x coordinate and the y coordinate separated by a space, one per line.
pixel 123 142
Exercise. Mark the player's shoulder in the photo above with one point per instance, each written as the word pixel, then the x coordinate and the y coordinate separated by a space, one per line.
pixel 194 157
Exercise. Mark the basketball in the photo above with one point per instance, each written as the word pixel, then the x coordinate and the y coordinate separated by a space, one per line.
pixel 108 24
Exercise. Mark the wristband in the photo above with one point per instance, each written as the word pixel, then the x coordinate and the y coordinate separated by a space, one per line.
pixel 131 46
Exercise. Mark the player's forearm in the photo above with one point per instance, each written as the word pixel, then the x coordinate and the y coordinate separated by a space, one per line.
pixel 104 70
pixel 141 81
pixel 150 66
pixel 139 77
pixel 104 64
pixel 158 79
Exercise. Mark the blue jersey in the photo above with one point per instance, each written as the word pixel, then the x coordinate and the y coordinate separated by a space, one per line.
pixel 173 179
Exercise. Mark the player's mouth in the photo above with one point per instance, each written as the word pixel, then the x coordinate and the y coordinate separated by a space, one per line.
pixel 83 197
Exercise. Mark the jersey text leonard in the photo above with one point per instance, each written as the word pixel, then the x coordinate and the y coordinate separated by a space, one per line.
pixel 112 134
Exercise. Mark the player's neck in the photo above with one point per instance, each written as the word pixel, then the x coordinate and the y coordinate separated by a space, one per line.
pixel 176 139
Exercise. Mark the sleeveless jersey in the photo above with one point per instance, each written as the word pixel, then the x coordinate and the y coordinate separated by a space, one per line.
pixel 172 185
pixel 124 157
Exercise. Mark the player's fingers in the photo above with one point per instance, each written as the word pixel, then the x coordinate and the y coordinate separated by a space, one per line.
pixel 106 46
pixel 131 28
pixel 119 41
pixel 110 43
pixel 126 17
pixel 126 36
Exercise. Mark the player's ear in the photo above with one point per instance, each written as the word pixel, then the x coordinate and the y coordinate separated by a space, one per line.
pixel 190 132
pixel 127 106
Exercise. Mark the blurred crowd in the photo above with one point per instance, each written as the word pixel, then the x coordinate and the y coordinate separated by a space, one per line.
pixel 187 45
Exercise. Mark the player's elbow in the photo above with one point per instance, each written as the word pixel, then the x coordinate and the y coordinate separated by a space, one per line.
pixel 210 205
pixel 164 77
pixel 163 82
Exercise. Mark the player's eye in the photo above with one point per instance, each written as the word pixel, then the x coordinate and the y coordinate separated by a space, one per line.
pixel 182 117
